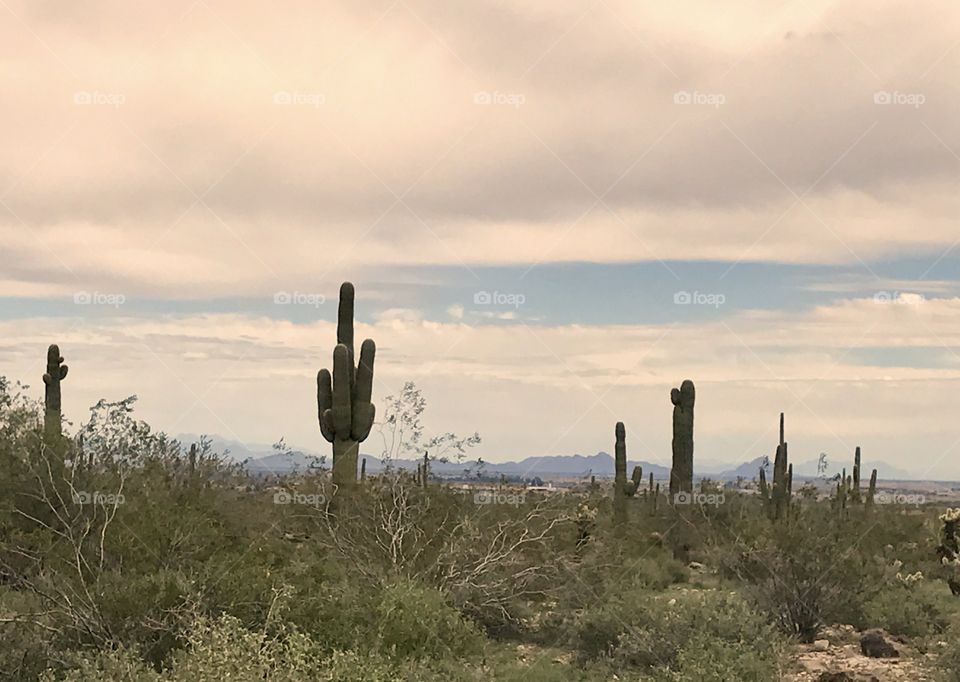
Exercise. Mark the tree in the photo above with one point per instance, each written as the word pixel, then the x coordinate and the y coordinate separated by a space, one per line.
pixel 402 430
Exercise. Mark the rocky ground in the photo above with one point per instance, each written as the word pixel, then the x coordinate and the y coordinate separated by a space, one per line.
pixel 839 657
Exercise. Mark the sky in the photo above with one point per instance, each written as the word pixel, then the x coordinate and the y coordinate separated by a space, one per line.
pixel 553 213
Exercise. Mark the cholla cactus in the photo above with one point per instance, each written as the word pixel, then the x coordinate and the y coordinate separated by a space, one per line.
pixel 910 579
pixel 948 550
pixel 586 522
pixel 344 404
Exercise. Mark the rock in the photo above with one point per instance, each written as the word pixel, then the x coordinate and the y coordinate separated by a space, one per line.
pixel 843 676
pixel 695 566
pixel 873 643
pixel 821 644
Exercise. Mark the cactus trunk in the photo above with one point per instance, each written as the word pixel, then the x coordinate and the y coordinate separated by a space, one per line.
pixel 872 490
pixel 681 471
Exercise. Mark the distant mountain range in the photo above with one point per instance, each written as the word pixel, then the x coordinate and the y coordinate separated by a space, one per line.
pixel 264 459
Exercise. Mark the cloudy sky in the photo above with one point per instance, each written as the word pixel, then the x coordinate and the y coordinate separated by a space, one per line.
pixel 554 212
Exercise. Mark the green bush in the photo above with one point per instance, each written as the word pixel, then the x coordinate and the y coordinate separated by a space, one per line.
pixel 918 611
pixel 414 622
pixel 704 631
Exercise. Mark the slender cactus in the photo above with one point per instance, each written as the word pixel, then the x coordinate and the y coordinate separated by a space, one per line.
pixel 620 475
pixel 764 488
pixel 633 485
pixel 872 490
pixel 781 493
pixel 363 470
pixel 855 489
pixel 53 411
pixel 345 410
pixel 192 460
pixel 681 471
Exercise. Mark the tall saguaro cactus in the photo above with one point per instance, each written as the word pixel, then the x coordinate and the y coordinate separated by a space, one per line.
pixel 53 412
pixel 344 404
pixel 620 475
pixel 681 471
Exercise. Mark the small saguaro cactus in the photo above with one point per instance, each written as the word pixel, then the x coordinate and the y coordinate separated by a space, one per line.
pixel 855 489
pixel 53 412
pixel 620 475
pixel 344 404
pixel 764 488
pixel 633 485
pixel 363 470
pixel 872 490
pixel 781 491
pixel 681 471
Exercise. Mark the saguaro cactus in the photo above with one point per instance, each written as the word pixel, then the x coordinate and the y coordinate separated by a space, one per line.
pixel 764 489
pixel 636 479
pixel 855 489
pixel 53 412
pixel 872 490
pixel 781 489
pixel 344 406
pixel 681 472
pixel 620 475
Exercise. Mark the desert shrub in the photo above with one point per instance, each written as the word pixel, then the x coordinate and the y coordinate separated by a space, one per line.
pixel 917 611
pixel 224 649
pixel 415 622
pixel 806 570
pixel 703 631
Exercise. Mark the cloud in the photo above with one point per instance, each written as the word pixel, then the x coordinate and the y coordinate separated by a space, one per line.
pixel 534 388
pixel 207 148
